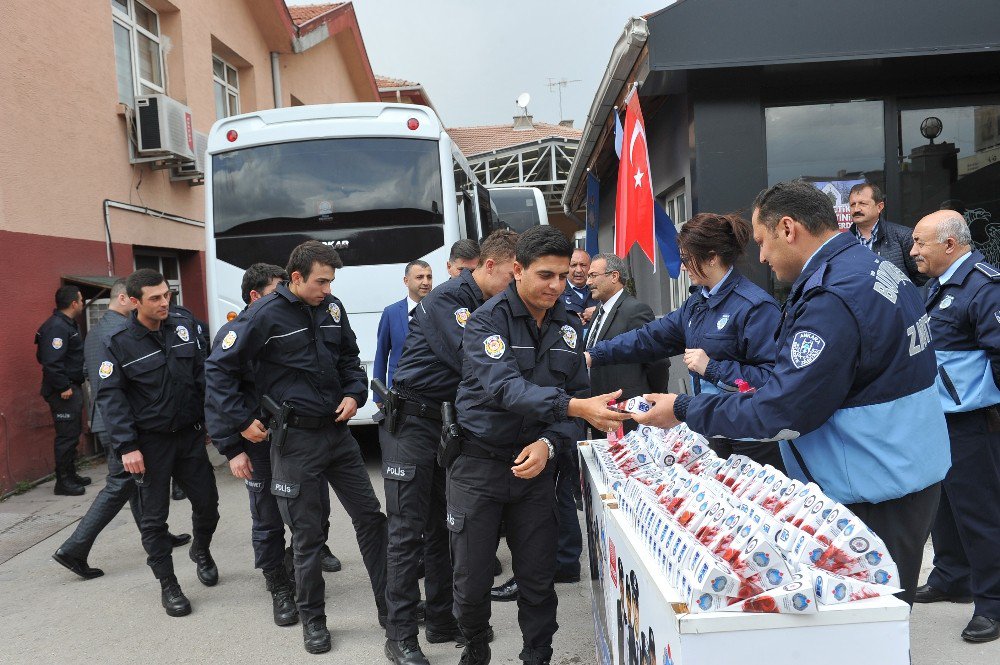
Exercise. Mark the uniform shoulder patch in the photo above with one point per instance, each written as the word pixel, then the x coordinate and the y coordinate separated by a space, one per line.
pixel 183 333
pixel 106 369
pixel 988 270
pixel 335 312
pixel 721 323
pixel 57 343
pixel 946 301
pixel 229 339
pixel 494 346
pixel 462 316
pixel 569 336
pixel 806 348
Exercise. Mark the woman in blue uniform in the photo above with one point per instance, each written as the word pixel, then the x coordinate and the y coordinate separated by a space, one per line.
pixel 725 329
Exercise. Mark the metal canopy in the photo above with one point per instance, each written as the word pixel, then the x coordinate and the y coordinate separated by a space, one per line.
pixel 543 164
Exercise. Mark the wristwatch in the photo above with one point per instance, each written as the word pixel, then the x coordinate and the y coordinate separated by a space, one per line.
pixel 552 448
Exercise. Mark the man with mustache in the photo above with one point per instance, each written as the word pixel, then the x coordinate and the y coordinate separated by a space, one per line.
pixel 890 241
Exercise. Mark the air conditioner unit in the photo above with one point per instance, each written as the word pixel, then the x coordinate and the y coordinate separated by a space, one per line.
pixel 163 128
pixel 194 170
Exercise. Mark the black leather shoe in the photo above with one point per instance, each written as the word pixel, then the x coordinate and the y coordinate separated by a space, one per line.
pixel 179 539
pixel 174 601
pixel 476 651
pixel 315 636
pixel 928 594
pixel 76 564
pixel 282 597
pixel 80 480
pixel 497 566
pixel 567 577
pixel 460 638
pixel 420 614
pixel 208 574
pixel 67 487
pixel 178 494
pixel 981 629
pixel 405 652
pixel 328 561
pixel 504 593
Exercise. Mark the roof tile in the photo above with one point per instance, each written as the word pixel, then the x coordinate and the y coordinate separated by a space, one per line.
pixel 305 13
pixel 479 140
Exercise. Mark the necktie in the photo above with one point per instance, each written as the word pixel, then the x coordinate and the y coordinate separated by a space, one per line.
pixel 592 337
pixel 410 315
pixel 933 287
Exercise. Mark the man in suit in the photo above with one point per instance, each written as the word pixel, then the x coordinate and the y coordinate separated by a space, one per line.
pixel 395 321
pixel 619 312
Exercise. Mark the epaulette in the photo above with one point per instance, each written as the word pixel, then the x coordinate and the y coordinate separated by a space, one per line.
pixel 988 270
pixel 816 279
pixel 749 291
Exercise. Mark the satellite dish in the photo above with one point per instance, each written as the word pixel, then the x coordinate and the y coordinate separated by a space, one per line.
pixel 523 99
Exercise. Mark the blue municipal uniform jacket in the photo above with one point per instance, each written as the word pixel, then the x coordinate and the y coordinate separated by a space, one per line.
pixel 965 329
pixel 735 327
pixel 852 394
pixel 517 379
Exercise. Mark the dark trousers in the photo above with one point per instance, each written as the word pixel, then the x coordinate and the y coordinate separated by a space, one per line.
pixel 415 506
pixel 67 416
pixel 903 524
pixel 481 492
pixel 119 489
pixel 570 537
pixel 302 467
pixel 761 452
pixel 966 532
pixel 181 455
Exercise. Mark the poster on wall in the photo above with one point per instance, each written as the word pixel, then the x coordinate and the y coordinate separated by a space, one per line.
pixel 593 506
pixel 838 190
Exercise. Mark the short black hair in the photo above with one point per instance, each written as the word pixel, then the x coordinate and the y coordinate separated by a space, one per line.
pixel 258 277
pixel 66 295
pixel 465 249
pixel 140 278
pixel 799 200
pixel 539 241
pixel 311 252
pixel 417 262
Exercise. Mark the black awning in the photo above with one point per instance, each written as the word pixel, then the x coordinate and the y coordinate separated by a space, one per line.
pixel 97 281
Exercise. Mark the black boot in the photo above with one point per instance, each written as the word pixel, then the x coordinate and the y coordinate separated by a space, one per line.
pixel 477 649
pixel 173 599
pixel 177 494
pixel 282 597
pixel 208 574
pixel 80 480
pixel 66 486
pixel 327 560
pixel 539 656
pixel 315 636
pixel 405 652
pixel 76 564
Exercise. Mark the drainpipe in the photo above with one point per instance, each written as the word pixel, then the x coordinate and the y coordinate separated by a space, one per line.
pixel 276 79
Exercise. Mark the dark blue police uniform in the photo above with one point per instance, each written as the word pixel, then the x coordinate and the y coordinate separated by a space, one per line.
pixel 576 303
pixel 965 328
pixel 517 381
pixel 427 374
pixel 60 353
pixel 151 391
pixel 308 357
pixel 851 399
pixel 735 326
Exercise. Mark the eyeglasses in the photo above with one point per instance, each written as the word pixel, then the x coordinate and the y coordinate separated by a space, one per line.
pixel 595 275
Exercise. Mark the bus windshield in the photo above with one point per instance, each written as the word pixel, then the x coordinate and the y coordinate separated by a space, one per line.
pixel 354 189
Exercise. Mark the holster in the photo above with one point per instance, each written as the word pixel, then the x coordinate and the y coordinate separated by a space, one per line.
pixel 280 415
pixel 451 436
pixel 390 405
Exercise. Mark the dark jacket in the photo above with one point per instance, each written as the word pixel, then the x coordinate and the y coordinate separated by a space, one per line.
pixel 93 354
pixel 633 378
pixel 60 353
pixel 893 243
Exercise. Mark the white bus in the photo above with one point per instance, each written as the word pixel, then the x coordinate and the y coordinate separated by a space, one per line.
pixel 519 208
pixel 381 183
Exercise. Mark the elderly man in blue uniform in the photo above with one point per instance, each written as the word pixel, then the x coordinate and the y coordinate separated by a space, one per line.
pixel 852 397
pixel 964 307
pixel 523 378
pixel 395 321
pixel 428 374
pixel 303 354
pixel 60 353
pixel 577 296
pixel 151 394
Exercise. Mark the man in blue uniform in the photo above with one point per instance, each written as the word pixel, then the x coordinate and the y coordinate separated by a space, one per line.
pixel 577 296
pixel 521 374
pixel 964 307
pixel 852 397
pixel 60 353
pixel 151 393
pixel 303 356
pixel 119 488
pixel 428 374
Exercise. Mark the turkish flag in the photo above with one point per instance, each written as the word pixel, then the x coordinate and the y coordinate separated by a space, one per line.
pixel 634 209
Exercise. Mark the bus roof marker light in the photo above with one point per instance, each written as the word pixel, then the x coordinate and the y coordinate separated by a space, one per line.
pixel 231 135
pixel 413 123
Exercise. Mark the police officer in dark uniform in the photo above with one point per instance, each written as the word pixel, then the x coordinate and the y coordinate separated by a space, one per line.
pixel 964 307
pixel 60 353
pixel 428 373
pixel 522 367
pixel 201 330
pixel 306 371
pixel 151 393
pixel 577 296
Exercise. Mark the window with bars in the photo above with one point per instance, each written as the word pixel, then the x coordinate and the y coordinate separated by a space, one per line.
pixel 675 203
pixel 226 81
pixel 138 50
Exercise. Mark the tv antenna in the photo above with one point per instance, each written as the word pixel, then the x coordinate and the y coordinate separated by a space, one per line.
pixel 522 101
pixel 559 85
